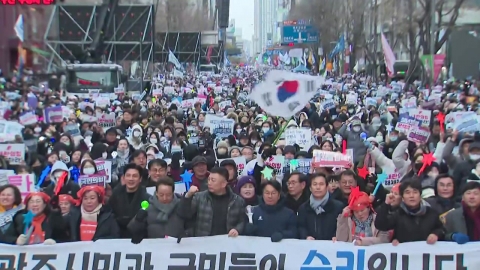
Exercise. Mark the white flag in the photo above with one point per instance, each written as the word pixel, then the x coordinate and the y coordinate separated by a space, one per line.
pixel 172 59
pixel 284 93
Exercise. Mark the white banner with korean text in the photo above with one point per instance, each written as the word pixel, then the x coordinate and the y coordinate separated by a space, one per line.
pixel 223 252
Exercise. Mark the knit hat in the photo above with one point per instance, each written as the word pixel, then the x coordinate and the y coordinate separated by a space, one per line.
pixel 243 181
pixel 222 144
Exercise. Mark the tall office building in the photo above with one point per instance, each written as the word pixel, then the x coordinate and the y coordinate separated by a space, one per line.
pixel 265 24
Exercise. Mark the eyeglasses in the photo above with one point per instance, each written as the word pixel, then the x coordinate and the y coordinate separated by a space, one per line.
pixel 272 194
pixel 292 183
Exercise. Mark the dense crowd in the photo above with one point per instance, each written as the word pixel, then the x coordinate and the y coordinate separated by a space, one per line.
pixel 173 174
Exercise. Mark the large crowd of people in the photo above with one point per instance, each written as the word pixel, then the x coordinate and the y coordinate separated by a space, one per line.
pixel 172 175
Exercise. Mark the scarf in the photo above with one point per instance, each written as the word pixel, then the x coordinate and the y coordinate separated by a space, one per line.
pixel 37 233
pixel 472 220
pixel 318 205
pixel 91 216
pixel 416 212
pixel 164 210
pixel 363 228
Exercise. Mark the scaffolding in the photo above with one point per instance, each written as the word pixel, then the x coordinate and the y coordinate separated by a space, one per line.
pixel 130 38
pixel 186 46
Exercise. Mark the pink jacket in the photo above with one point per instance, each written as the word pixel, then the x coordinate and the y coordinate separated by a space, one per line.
pixel 345 227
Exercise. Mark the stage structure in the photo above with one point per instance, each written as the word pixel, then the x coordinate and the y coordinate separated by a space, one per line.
pixel 184 45
pixel 129 38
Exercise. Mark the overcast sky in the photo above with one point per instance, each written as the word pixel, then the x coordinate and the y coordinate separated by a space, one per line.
pixel 242 12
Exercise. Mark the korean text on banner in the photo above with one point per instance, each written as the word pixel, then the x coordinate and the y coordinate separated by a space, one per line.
pixel 222 127
pixel 106 120
pixel 92 180
pixel 24 182
pixel 277 163
pixel 104 167
pixel 330 159
pixel 238 253
pixel 15 153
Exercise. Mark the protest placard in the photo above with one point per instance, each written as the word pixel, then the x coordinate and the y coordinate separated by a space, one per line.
pixel 92 180
pixel 330 159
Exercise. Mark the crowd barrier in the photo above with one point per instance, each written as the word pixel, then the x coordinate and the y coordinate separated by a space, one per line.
pixel 241 253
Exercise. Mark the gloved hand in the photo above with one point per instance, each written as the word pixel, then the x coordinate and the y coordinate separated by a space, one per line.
pixel 141 215
pixel 368 144
pixel 136 240
pixel 49 241
pixel 22 240
pixel 276 237
pixel 460 238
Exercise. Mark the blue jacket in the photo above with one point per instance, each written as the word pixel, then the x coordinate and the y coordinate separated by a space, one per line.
pixel 322 226
pixel 269 219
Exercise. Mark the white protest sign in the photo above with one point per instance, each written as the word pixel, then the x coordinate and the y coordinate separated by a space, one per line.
pixel 222 127
pixel 106 120
pixel 15 153
pixel 300 136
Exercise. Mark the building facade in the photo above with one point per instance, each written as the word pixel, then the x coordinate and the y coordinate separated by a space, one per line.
pixel 265 24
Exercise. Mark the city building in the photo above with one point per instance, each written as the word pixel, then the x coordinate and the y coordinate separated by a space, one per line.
pixel 265 24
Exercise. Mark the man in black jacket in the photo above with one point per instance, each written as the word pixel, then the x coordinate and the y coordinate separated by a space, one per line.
pixel 126 198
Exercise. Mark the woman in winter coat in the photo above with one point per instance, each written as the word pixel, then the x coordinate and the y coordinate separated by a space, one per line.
pixel 271 218
pixel 47 225
pixel 160 219
pixel 414 221
pixel 317 218
pixel 356 224
pixel 91 221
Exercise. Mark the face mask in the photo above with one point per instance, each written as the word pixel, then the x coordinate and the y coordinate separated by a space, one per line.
pixel 104 155
pixel 350 111
pixel 474 157
pixel 176 149
pixel 254 142
pixel 166 135
pixel 376 120
pixel 154 141
pixel 37 130
pixel 136 134
pixel 433 175
pixel 356 129
pixel 67 143
pixel 379 139
pixel 418 166
pixel 222 151
pixel 265 130
pixel 393 139
pixel 88 170
pixel 239 130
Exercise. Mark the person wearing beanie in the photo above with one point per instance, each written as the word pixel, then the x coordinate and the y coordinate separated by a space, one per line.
pixel 246 189
pixel 271 218
pixel 47 226
pixel 222 150
pixel 356 223
pixel 462 225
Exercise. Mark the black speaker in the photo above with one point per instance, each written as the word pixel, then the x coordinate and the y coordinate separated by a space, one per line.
pixel 224 13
